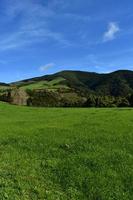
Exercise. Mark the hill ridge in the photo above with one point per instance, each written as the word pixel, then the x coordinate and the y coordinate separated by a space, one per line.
pixel 72 88
pixel 117 83
pixel 73 71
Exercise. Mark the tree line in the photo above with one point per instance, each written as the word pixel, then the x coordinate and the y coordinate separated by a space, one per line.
pixel 45 98
pixel 56 99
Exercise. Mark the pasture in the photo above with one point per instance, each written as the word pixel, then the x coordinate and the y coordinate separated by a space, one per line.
pixel 66 153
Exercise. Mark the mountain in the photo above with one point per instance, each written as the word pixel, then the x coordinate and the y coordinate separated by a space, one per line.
pixel 72 89
pixel 4 84
pixel 118 83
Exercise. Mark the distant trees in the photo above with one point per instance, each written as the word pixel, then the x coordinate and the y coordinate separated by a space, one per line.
pixel 108 101
pixel 122 102
pixel 131 100
pixel 5 95
pixel 54 98
pixel 64 98
pixel 71 98
pixel 43 98
pixel 100 101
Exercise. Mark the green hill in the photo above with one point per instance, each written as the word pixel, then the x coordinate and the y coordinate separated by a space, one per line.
pixel 72 89
pixel 119 83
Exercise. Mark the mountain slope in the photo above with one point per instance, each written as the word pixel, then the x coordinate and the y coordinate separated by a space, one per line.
pixel 118 83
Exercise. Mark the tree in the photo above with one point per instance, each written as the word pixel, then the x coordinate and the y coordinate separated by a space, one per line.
pixel 131 100
pixel 122 102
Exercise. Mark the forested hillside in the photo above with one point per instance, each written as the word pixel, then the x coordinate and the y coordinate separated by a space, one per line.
pixel 72 88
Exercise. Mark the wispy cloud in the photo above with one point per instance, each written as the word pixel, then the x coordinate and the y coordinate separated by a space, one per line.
pixel 32 25
pixel 110 34
pixel 46 67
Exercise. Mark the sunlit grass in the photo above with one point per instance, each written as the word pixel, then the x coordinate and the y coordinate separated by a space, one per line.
pixel 53 84
pixel 56 153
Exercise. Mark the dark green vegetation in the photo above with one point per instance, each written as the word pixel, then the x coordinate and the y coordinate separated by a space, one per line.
pixel 66 154
pixel 73 89
pixel 119 83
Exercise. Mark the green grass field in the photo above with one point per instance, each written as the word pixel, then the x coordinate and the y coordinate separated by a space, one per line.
pixel 66 154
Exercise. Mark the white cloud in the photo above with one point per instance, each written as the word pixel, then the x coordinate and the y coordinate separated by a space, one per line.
pixel 31 27
pixel 46 67
pixel 110 34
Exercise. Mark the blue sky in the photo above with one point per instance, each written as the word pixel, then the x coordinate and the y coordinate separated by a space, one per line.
pixel 39 37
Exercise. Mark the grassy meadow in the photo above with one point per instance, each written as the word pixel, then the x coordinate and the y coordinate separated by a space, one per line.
pixel 66 154
pixel 51 85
